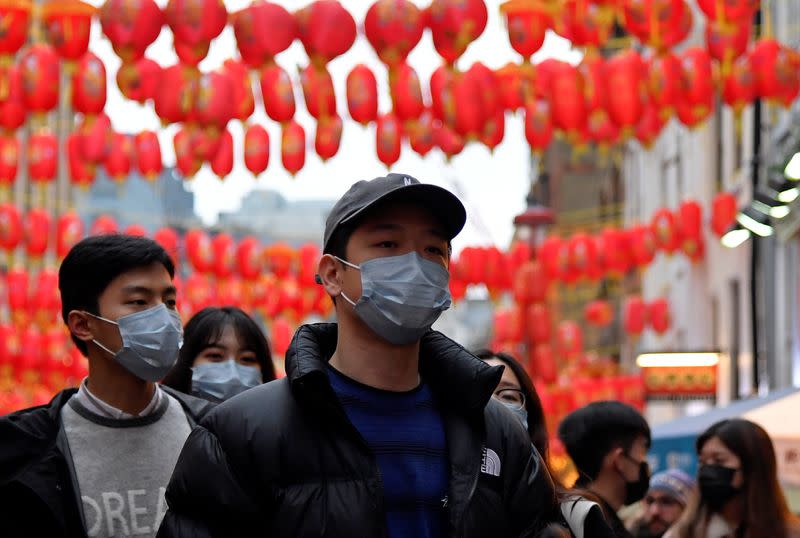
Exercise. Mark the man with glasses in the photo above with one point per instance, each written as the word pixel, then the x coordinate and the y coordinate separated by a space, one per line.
pixel 669 493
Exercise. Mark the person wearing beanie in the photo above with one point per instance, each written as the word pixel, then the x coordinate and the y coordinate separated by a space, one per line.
pixel 670 491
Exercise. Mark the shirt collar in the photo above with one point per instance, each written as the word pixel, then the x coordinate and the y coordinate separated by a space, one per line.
pixel 103 409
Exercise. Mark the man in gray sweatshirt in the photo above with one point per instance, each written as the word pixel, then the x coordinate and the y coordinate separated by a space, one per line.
pixel 96 460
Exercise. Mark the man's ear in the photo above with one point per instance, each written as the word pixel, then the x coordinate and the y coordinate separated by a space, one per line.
pixel 612 459
pixel 328 274
pixel 79 325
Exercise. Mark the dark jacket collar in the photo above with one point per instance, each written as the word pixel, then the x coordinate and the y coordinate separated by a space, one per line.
pixel 457 377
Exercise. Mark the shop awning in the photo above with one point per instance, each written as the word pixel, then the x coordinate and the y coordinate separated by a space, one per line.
pixel 781 419
pixel 673 442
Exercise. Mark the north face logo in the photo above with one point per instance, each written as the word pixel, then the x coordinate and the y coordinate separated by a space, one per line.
pixel 491 462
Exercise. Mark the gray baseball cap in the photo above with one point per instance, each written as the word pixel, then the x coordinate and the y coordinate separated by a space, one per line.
pixel 364 195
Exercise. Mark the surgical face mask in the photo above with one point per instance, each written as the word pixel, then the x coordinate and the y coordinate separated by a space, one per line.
pixel 222 380
pixel 521 413
pixel 401 296
pixel 151 340
pixel 716 485
pixel 636 490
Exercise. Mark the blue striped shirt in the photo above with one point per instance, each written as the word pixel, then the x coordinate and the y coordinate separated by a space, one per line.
pixel 405 432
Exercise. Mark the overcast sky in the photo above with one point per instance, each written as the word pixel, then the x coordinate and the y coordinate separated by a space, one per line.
pixel 492 186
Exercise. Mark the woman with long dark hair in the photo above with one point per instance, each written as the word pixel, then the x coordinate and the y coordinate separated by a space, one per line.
pixel 740 496
pixel 224 353
pixel 580 512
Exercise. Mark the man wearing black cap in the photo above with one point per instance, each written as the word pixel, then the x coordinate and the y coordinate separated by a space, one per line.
pixel 382 427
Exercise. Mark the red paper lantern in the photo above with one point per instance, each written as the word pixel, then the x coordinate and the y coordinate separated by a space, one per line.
pixel 467 118
pixel 697 99
pixel 570 338
pixel 69 230
pixel 362 94
pixel 175 98
pixel 185 160
pixel 279 258
pixel 39 69
pixel 262 31
pixel 280 335
pixel 644 245
pixel 406 92
pixel 627 94
pixel 660 24
pixel 542 364
pixel 293 147
pixel 723 212
pixel 248 258
pixel 198 251
pixel 15 16
pixel 68 25
pixel 205 141
pixel 318 92
pixel 89 85
pixel 387 139
pixel 530 283
pixel 494 130
pixel 690 221
pixel 616 249
pixel 224 252
pixel 103 225
pixel 729 10
pixel 214 103
pixel 9 159
pixel 516 85
pixel 393 28
pixel 726 42
pixel 567 100
pixel 666 230
pixel 135 230
pixel 328 136
pixel 776 70
pixel 659 315
pixel 139 80
pixel 277 93
pixel 538 324
pixel 169 240
pixel 131 26
pixel 37 232
pixel 148 155
pixel 634 315
pixel 455 24
pixel 17 282
pixel 538 125
pixel 488 92
pixel 447 140
pixel 599 313
pixel 119 158
pixel 199 291
pixel 650 125
pixel 582 256
pixel 12 101
pixel 420 133
pixel 244 103
pixel 42 157
pixel 326 29
pixel 308 257
pixel 739 86
pixel 256 149
pixel 442 101
pixel 95 138
pixel 10 227
pixel 665 83
pixel 195 22
pixel 593 72
pixel 527 26
pixel 586 24
pixel 222 164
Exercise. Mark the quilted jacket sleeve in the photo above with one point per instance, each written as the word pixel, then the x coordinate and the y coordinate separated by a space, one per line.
pixel 206 498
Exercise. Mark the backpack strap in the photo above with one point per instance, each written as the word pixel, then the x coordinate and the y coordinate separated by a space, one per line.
pixel 575 509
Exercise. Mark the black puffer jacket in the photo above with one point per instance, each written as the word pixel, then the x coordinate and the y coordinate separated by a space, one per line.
pixel 37 493
pixel 282 459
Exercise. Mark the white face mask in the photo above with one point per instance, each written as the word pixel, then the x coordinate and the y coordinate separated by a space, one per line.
pixel 401 296
pixel 223 380
pixel 151 340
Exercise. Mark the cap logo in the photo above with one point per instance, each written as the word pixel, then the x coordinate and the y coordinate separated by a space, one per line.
pixel 406 181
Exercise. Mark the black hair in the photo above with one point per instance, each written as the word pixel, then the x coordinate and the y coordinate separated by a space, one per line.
pixel 537 428
pixel 206 327
pixel 593 431
pixel 94 262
